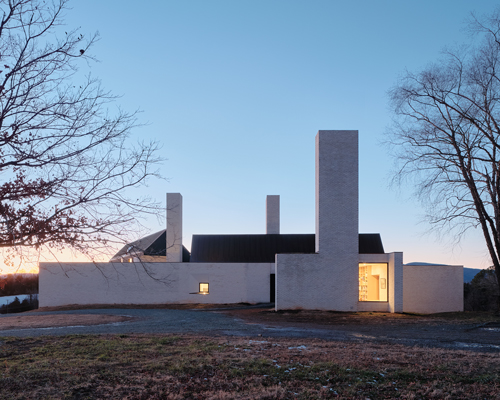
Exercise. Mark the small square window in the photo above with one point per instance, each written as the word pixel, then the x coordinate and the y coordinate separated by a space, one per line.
pixel 203 288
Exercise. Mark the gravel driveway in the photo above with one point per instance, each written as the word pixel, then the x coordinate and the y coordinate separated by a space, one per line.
pixel 210 322
pixel 147 321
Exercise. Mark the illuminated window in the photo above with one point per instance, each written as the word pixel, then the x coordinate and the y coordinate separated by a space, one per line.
pixel 204 288
pixel 373 282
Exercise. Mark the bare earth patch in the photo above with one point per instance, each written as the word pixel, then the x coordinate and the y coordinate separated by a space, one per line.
pixel 459 330
pixel 19 321
pixel 29 320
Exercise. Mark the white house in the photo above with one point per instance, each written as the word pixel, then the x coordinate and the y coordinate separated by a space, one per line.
pixel 336 268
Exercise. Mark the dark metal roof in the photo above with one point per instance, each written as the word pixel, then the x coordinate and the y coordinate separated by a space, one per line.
pixel 263 248
pixel 248 248
pixel 242 248
pixel 186 255
pixel 370 243
pixel 157 247
pixel 151 245
pixel 142 244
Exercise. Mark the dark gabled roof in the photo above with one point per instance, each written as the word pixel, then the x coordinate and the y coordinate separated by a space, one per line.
pixel 151 245
pixel 157 247
pixel 263 248
pixel 241 248
pixel 141 245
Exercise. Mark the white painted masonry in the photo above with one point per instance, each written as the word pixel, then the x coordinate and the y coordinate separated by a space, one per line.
pixel 433 288
pixel 337 194
pixel 396 271
pixel 129 283
pixel 273 214
pixel 174 227
pixel 327 280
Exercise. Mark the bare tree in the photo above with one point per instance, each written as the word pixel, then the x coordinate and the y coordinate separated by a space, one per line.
pixel 65 159
pixel 446 135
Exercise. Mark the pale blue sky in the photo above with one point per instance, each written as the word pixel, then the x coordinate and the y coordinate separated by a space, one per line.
pixel 236 91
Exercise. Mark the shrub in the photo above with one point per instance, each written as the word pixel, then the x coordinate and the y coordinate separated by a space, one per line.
pixel 482 294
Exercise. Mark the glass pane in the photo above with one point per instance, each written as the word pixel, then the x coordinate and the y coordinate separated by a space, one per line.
pixel 204 287
pixel 373 282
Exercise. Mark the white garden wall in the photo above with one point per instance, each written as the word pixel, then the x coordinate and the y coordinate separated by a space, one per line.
pixel 129 283
pixel 433 288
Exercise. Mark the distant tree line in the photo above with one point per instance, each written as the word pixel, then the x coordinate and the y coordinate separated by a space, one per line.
pixel 17 306
pixel 19 284
pixel 482 293
pixel 14 284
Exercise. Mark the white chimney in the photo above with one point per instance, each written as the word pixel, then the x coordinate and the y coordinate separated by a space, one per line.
pixel 273 214
pixel 174 227
pixel 337 193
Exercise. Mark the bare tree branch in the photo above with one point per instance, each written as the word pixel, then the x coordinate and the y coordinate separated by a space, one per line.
pixel 66 160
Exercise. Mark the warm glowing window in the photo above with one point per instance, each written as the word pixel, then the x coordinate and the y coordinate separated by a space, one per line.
pixel 204 288
pixel 373 282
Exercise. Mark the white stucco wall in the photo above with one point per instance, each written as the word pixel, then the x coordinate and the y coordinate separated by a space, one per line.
pixel 128 283
pixel 432 288
pixel 313 282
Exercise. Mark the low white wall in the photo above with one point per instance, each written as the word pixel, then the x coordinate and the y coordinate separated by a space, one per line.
pixel 313 282
pixel 129 283
pixel 433 288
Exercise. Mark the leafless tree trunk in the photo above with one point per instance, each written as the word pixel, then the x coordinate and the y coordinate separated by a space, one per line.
pixel 65 159
pixel 446 136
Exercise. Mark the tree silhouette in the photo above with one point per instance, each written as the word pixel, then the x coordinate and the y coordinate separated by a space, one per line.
pixel 66 161
pixel 446 136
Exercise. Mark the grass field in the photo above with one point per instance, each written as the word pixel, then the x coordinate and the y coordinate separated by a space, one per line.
pixel 198 367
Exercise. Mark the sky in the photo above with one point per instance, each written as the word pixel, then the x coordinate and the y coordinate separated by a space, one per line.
pixel 235 91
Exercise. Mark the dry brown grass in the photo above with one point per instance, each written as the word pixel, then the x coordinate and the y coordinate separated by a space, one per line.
pixel 198 367
pixel 23 321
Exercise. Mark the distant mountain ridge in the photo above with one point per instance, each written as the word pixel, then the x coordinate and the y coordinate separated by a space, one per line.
pixel 469 273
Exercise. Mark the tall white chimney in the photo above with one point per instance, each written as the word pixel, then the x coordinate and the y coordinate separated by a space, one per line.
pixel 337 193
pixel 174 227
pixel 273 214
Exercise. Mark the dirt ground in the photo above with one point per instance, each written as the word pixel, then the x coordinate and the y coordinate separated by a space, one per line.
pixel 24 321
pixel 311 318
pixel 29 319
